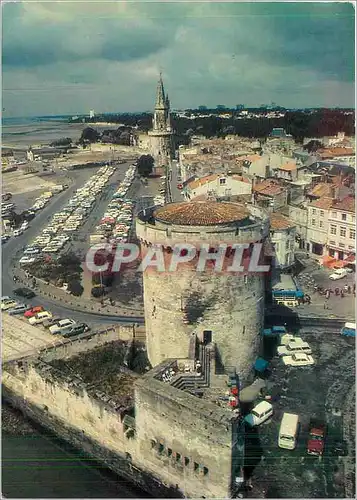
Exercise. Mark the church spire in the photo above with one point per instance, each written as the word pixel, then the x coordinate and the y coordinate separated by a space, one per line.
pixel 160 94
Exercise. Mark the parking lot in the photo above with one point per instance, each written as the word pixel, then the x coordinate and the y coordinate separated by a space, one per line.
pixel 314 276
pixel 324 391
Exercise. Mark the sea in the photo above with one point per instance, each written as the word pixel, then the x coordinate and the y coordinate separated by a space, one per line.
pixel 36 464
pixel 40 130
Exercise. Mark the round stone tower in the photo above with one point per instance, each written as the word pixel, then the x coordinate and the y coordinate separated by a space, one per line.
pixel 226 308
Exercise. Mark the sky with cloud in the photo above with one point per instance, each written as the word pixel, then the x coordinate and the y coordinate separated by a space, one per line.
pixel 70 57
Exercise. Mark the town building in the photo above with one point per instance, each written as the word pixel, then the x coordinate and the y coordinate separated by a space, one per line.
pixel 161 135
pixel 341 238
pixel 318 225
pixel 297 212
pixel 341 154
pixel 282 236
pixel 270 194
pixel 30 155
pixel 256 166
pixel 218 186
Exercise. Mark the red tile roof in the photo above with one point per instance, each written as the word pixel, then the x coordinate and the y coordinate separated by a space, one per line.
pixel 288 167
pixel 269 188
pixel 203 180
pixel 278 221
pixel 324 203
pixel 333 152
pixel 345 205
pixel 201 213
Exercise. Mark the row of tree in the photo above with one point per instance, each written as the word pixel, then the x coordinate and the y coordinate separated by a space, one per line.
pixel 300 124
pixel 120 136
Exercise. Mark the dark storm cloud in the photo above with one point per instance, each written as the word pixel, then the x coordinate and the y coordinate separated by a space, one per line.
pixel 296 53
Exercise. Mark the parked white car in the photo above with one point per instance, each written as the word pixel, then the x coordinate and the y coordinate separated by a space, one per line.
pixel 8 304
pixel 338 274
pixel 25 225
pixel 260 413
pixel 298 359
pixel 61 325
pixel 26 259
pixel 287 338
pixel 294 348
pixel 18 232
pixel 40 318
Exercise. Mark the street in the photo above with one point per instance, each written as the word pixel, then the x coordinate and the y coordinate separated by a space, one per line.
pixel 11 251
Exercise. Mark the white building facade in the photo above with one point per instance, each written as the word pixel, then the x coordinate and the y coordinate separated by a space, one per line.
pixel 218 186
pixel 341 241
pixel 282 236
pixel 318 225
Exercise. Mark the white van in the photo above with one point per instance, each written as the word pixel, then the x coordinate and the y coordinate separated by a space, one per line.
pixel 288 431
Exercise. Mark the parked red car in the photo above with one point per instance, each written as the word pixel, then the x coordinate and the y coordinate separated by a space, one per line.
pixel 317 437
pixel 33 311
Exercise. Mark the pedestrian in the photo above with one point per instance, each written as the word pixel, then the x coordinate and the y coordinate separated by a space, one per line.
pixel 325 304
pixel 342 294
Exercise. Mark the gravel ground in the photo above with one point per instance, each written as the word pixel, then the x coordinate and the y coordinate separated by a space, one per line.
pixel 317 391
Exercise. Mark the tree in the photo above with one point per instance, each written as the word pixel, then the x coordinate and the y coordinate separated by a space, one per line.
pixel 64 141
pixel 98 291
pixel 75 287
pixel 145 165
pixel 313 146
pixel 90 135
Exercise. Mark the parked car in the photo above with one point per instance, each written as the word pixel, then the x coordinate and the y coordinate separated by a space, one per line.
pixel 298 359
pixel 18 232
pixel 75 330
pixel 317 437
pixel 19 309
pixel 40 317
pixel 61 325
pixel 25 225
pixel 294 348
pixel 27 259
pixel 50 322
pixel 33 311
pixel 8 304
pixel 349 330
pixel 338 274
pixel 25 292
pixel 287 338
pixel 260 413
pixel 288 431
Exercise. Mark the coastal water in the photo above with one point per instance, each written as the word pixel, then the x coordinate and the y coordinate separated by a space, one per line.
pixel 36 131
pixel 37 465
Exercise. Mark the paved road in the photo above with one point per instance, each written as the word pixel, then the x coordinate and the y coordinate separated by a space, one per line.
pixel 176 195
pixel 12 251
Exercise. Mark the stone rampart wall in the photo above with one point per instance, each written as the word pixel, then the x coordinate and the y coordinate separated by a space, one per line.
pixel 189 447
pixel 118 460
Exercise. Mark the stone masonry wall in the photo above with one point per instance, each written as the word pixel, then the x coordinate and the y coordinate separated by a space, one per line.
pixel 179 304
pixel 199 434
pixel 183 444
pixel 84 422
